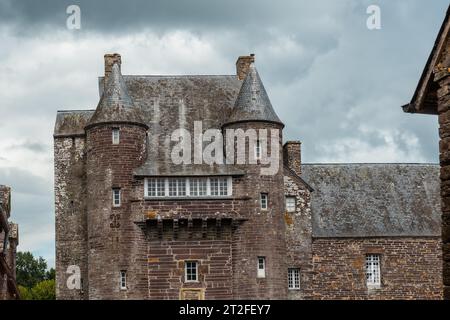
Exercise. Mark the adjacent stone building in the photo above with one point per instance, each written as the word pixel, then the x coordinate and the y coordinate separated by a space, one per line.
pixel 137 223
pixel 9 239
pixel 432 96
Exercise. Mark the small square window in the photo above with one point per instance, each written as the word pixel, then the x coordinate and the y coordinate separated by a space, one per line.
pixel 290 204
pixel 123 280
pixel 373 270
pixel 261 267
pixel 293 278
pixel 191 271
pixel 115 136
pixel 116 197
pixel 264 201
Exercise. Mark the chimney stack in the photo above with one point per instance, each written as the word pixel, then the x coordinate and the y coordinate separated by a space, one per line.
pixel 110 59
pixel 292 156
pixel 243 64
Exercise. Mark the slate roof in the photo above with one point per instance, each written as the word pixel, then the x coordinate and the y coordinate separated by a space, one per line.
pixel 253 103
pixel 115 103
pixel 364 200
pixel 71 122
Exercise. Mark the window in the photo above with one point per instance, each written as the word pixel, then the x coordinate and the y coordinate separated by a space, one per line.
pixel 219 186
pixel 293 278
pixel 258 150
pixel 373 274
pixel 177 187
pixel 123 280
pixel 198 186
pixel 115 136
pixel 264 200
pixel 188 187
pixel 116 197
pixel 290 204
pixel 191 271
pixel 155 187
pixel 261 267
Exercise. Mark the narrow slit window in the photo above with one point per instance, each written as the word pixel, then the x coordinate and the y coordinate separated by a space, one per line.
pixel 258 150
pixel 116 197
pixel 115 136
pixel 264 201
pixel 261 267
pixel 373 270
pixel 123 280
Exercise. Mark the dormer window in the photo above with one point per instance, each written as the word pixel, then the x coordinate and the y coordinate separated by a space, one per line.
pixel 115 136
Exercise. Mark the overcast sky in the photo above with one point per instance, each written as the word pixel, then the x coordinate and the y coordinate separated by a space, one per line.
pixel 337 85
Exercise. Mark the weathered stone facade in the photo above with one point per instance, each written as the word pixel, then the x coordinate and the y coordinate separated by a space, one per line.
pixel 411 268
pixel 130 244
pixel 9 240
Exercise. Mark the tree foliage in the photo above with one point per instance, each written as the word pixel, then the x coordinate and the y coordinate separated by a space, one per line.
pixel 34 280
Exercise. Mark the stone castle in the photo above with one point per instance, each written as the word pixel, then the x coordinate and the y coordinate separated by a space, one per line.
pixel 139 226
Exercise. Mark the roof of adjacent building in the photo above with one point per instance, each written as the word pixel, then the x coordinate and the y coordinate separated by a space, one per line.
pixel 374 200
pixel 424 99
pixel 253 103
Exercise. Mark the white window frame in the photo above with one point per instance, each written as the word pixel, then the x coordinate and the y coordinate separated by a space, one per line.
pixel 289 208
pixel 294 279
pixel 373 270
pixel 115 136
pixel 261 267
pixel 191 187
pixel 123 280
pixel 264 201
pixel 186 270
pixel 119 193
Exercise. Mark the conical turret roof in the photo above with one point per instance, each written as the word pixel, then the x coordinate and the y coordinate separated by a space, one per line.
pixel 252 103
pixel 116 105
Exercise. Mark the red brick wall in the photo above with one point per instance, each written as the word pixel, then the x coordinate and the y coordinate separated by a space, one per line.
pixel 411 268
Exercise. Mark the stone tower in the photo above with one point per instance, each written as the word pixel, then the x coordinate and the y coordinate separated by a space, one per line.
pixel 115 145
pixel 262 236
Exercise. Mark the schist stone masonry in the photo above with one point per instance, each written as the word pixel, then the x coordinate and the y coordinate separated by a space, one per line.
pixel 136 225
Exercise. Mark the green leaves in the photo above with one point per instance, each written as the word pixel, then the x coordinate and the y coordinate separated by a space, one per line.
pixel 34 280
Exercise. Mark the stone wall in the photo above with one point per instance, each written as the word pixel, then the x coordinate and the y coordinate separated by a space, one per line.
pixel 115 242
pixel 70 214
pixel 210 247
pixel 298 235
pixel 410 268
pixel 442 78
pixel 263 234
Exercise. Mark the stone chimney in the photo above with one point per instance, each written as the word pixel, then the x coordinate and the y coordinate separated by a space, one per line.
pixel 292 156
pixel 243 64
pixel 110 59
